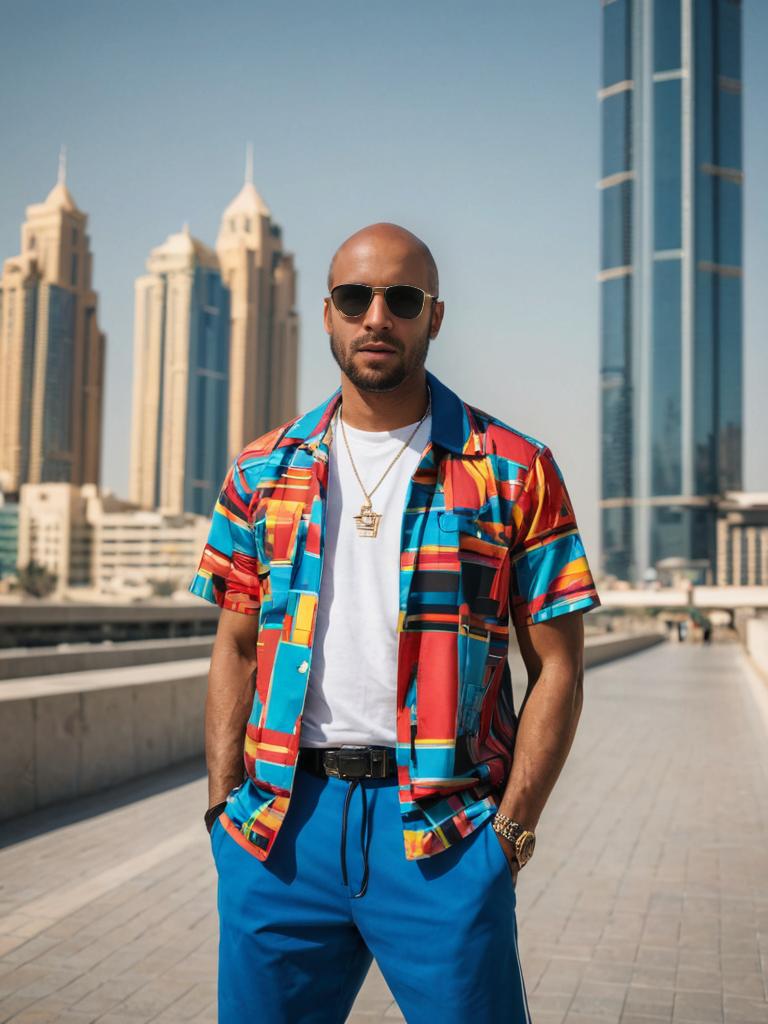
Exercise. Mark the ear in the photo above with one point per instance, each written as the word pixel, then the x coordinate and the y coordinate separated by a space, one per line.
pixel 436 319
pixel 327 316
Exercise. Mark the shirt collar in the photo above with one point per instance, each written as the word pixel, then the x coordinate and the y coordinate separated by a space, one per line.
pixel 453 425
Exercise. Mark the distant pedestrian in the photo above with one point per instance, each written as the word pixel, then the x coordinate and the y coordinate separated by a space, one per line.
pixel 373 792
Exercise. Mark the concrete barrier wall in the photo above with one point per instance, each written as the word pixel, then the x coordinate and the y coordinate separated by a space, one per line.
pixel 66 736
pixel 22 662
pixel 72 734
pixel 600 649
pixel 757 643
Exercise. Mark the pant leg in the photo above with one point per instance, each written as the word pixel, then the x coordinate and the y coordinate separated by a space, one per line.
pixel 443 929
pixel 289 952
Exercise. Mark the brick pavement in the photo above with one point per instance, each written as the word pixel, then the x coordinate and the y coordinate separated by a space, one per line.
pixel 646 901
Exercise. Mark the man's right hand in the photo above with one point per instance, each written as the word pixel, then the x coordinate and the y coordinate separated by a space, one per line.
pixel 229 700
pixel 212 814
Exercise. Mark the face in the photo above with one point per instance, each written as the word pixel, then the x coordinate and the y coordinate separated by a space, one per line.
pixel 378 350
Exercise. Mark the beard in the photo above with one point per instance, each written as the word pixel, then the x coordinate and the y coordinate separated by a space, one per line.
pixel 387 378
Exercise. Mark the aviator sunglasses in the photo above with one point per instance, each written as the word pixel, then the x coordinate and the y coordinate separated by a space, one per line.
pixel 404 300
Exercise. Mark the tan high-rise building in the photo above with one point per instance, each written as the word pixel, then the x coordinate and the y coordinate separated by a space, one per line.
pixel 264 335
pixel 180 382
pixel 51 350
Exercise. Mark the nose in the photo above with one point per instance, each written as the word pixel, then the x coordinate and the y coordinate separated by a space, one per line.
pixel 377 316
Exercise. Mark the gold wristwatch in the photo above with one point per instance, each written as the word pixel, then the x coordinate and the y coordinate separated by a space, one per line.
pixel 522 840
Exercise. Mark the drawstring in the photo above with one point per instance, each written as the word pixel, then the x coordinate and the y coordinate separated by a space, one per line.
pixel 347 800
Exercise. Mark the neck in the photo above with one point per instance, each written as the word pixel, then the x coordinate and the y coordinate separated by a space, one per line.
pixel 384 410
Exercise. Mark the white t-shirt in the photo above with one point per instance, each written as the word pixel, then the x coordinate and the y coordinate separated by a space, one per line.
pixel 352 688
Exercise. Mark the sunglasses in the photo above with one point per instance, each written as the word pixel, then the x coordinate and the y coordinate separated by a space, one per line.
pixel 404 300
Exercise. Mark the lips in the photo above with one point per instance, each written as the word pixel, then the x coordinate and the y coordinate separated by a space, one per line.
pixel 376 348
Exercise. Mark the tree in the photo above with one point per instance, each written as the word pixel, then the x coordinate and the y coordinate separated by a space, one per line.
pixel 162 587
pixel 36 580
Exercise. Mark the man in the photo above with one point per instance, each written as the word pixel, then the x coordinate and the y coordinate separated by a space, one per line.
pixel 367 557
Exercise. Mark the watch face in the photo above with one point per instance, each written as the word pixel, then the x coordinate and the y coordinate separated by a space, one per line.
pixel 525 845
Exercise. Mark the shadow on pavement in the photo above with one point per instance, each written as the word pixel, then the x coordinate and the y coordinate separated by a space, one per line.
pixel 59 815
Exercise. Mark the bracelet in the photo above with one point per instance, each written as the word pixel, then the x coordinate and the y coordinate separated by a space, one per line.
pixel 503 824
pixel 212 814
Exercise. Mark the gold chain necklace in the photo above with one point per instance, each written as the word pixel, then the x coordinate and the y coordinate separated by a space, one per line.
pixel 367 521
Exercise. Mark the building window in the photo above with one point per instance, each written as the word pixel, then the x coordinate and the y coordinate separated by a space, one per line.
pixel 616 224
pixel 744 576
pixel 73 275
pixel 617 60
pixel 667 165
pixel 666 464
pixel 666 35
pixel 617 134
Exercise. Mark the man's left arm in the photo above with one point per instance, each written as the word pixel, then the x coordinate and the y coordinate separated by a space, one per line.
pixel 553 652
pixel 551 587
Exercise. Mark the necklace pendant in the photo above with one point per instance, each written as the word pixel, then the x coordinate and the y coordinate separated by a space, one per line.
pixel 367 521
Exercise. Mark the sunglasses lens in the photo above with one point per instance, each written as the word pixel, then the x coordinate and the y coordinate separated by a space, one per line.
pixel 405 301
pixel 351 299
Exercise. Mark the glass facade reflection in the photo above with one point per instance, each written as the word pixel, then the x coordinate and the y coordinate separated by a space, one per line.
pixel 27 375
pixel 670 278
pixel 59 381
pixel 208 392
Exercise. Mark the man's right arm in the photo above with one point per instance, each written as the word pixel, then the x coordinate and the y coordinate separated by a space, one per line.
pixel 228 702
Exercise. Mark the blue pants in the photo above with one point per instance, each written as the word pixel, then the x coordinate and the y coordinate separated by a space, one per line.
pixel 296 943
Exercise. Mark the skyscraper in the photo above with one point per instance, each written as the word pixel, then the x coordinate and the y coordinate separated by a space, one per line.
pixel 51 350
pixel 265 325
pixel 670 278
pixel 181 379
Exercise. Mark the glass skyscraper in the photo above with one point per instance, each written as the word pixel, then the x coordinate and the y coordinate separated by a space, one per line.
pixel 181 379
pixel 670 278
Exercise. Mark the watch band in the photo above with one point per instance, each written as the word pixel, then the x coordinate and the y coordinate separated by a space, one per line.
pixel 212 814
pixel 512 829
pixel 523 840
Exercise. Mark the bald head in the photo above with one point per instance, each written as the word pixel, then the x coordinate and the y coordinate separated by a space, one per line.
pixel 380 249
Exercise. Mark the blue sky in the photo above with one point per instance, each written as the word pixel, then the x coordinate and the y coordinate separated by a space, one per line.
pixel 476 126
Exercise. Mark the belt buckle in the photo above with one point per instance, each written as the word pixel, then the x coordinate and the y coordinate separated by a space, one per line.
pixel 351 762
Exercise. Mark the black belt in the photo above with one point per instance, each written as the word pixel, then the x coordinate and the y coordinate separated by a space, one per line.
pixel 351 763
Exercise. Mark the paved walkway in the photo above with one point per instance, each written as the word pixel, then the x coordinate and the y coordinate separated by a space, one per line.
pixel 646 901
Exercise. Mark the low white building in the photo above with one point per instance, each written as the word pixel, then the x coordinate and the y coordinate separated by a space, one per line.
pixel 54 532
pixel 99 545
pixel 742 539
pixel 137 549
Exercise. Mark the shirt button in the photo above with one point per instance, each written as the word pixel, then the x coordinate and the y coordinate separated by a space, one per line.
pixel 303 667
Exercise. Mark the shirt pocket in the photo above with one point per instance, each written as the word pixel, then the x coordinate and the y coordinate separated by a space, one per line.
pixel 482 552
pixel 276 525
pixel 279 534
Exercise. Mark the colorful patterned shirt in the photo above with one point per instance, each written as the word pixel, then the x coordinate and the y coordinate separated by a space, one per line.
pixel 488 533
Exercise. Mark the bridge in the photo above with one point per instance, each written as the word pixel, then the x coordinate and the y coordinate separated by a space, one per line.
pixel 646 900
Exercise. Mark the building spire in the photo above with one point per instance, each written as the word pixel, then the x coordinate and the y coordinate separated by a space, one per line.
pixel 59 196
pixel 249 164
